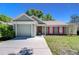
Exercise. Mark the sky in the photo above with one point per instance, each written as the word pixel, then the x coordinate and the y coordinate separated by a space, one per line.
pixel 60 11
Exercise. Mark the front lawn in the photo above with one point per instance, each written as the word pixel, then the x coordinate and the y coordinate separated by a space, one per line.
pixel 63 45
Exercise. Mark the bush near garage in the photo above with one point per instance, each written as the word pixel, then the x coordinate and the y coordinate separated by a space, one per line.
pixel 6 32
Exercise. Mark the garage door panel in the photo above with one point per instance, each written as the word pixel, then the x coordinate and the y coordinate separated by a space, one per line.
pixel 23 30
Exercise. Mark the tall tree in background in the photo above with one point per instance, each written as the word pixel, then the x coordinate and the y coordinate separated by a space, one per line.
pixel 34 12
pixel 5 18
pixel 74 19
pixel 47 17
pixel 39 14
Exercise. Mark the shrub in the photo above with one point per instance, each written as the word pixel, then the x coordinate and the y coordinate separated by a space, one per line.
pixel 6 32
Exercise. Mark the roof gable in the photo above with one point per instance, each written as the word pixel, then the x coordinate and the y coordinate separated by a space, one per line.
pixel 39 21
pixel 23 17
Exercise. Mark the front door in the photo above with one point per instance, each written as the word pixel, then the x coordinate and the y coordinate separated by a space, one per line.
pixel 39 30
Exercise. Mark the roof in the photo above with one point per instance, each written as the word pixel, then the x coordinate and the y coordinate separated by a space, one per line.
pixel 23 17
pixel 39 21
pixel 54 23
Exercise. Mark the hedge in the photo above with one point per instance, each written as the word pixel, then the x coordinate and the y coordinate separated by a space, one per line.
pixel 6 32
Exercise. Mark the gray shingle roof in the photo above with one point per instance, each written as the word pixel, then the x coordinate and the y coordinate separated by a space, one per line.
pixel 54 23
pixel 39 21
pixel 23 17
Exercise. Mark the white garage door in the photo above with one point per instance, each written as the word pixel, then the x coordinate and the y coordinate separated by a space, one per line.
pixel 23 30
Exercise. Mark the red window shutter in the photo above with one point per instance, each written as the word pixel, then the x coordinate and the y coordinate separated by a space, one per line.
pixel 63 30
pixel 52 30
pixel 48 30
pixel 58 30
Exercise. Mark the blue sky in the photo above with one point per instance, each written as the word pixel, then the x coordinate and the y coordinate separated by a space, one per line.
pixel 59 11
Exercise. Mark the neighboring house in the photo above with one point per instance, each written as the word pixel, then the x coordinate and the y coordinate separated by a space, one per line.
pixel 25 25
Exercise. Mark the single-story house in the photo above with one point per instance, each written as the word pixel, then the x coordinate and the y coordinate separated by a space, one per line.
pixel 25 25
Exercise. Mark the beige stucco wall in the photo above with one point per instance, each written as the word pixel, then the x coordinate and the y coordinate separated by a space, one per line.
pixel 72 29
pixel 33 30
pixel 43 30
pixel 65 29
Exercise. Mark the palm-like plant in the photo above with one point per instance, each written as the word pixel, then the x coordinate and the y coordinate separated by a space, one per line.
pixel 39 14
pixel 47 17
pixel 34 12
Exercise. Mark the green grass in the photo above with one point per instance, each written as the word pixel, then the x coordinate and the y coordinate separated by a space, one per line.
pixel 57 43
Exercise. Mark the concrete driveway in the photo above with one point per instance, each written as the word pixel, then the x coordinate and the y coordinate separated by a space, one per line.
pixel 37 43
